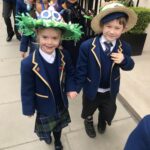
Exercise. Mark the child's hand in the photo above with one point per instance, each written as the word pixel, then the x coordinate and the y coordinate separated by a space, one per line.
pixel 72 94
pixel 117 57
pixel 23 54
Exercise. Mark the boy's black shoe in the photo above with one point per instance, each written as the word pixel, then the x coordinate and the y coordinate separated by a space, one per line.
pixel 89 128
pixel 48 140
pixel 101 126
pixel 9 37
pixel 58 146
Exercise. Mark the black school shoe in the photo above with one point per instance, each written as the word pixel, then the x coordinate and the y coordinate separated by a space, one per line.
pixel 101 126
pixel 9 37
pixel 48 140
pixel 89 128
pixel 58 146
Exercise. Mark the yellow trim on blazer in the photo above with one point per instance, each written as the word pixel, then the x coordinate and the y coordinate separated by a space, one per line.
pixel 43 96
pixel 120 47
pixel 94 46
pixel 119 50
pixel 34 69
pixel 63 65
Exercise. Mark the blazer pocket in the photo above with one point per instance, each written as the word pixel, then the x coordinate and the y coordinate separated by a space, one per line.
pixel 117 78
pixel 40 95
pixel 89 79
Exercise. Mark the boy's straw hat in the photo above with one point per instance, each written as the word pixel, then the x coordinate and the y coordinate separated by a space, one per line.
pixel 112 8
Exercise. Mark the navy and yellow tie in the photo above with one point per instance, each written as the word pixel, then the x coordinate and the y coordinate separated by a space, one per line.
pixel 108 46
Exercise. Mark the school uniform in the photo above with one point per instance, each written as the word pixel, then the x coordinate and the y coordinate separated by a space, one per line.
pixel 21 7
pixel 139 139
pixel 26 41
pixel 96 71
pixel 43 89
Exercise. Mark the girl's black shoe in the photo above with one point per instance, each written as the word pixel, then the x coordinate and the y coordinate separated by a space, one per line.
pixel 48 140
pixel 58 146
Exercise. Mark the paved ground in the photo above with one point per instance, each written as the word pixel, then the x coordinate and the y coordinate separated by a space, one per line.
pixel 16 130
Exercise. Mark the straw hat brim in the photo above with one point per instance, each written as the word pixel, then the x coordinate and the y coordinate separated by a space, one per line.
pixel 132 18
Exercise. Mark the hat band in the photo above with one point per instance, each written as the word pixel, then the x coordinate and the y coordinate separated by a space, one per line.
pixel 113 16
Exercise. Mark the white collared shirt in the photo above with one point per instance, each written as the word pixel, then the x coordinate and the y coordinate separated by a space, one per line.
pixel 48 57
pixel 102 40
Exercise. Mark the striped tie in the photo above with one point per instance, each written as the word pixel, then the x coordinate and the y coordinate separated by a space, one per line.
pixel 108 48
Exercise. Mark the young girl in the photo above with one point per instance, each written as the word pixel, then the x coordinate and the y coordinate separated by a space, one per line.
pixel 47 75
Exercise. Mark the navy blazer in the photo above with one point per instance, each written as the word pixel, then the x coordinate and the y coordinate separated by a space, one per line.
pixel 139 139
pixel 21 7
pixel 88 70
pixel 36 93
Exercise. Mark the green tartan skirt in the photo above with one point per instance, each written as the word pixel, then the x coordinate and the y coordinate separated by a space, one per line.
pixel 44 125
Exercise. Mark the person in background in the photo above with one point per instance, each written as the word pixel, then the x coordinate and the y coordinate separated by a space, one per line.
pixel 9 7
pixel 27 42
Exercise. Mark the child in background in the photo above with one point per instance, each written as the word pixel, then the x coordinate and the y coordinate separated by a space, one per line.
pixel 27 42
pixel 47 76
pixel 99 63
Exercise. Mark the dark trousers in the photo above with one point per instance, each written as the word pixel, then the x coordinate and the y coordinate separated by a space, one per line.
pixel 8 9
pixel 103 102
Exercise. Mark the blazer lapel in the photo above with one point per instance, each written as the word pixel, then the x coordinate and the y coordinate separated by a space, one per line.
pixel 39 68
pixel 118 46
pixel 96 50
pixel 61 64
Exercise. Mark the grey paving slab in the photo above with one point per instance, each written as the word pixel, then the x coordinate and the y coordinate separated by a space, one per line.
pixel 135 85
pixel 33 145
pixel 9 67
pixel 38 145
pixel 15 129
pixel 114 138
pixel 76 108
pixel 138 99
pixel 9 89
pixel 9 50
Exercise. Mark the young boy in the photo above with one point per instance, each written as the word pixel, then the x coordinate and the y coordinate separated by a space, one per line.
pixel 47 75
pixel 99 62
